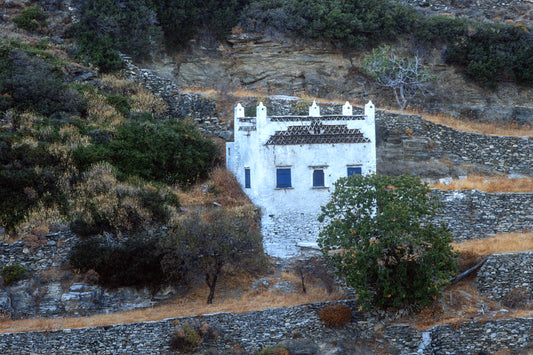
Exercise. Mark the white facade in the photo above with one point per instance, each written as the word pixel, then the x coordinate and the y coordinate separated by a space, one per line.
pixel 287 166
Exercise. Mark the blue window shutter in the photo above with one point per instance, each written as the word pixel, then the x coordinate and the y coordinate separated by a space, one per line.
pixel 354 170
pixel 283 178
pixel 247 181
pixel 318 178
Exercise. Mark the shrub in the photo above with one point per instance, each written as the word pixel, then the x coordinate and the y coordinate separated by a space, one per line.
pixel 134 261
pixel 30 83
pixel 189 336
pixel 102 204
pixel 185 339
pixel 169 152
pixel 120 103
pixel 517 298
pixel 275 350
pixel 335 316
pixel 31 18
pixel 347 23
pixel 22 186
pixel 13 273
pixel 105 26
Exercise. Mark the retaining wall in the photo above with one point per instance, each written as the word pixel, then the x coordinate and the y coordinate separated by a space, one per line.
pixel 503 273
pixel 296 327
pixel 476 214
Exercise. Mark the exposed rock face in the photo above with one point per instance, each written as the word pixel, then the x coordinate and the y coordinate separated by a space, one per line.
pixel 273 66
pixel 291 67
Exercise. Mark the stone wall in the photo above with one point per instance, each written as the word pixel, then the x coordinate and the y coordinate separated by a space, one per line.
pixel 464 338
pixel 50 290
pixel 503 273
pixel 409 144
pixel 476 214
pixel 181 105
pixel 298 328
pixel 47 252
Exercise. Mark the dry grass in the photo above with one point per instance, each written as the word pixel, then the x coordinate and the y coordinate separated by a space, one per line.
pixel 501 243
pixel 511 130
pixel 489 184
pixel 221 188
pixel 491 129
pixel 229 298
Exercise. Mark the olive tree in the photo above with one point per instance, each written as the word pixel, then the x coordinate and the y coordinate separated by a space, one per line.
pixel 206 243
pixel 406 76
pixel 380 237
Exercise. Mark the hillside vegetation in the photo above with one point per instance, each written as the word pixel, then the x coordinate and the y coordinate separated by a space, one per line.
pixel 485 52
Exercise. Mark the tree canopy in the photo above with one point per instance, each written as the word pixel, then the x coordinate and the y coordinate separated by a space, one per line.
pixel 380 237
pixel 206 243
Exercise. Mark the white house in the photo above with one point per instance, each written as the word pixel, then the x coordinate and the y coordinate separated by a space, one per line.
pixel 287 165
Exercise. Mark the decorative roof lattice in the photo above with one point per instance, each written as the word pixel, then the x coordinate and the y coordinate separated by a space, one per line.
pixel 311 118
pixel 317 133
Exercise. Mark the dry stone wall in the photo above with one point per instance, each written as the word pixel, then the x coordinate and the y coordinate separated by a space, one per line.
pixel 298 328
pixel 476 214
pixel 407 142
pixel 503 273
pixel 45 296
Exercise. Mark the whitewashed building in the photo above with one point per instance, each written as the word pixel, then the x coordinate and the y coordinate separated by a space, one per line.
pixel 287 165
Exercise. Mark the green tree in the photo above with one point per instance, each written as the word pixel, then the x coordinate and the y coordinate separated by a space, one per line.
pixel 208 243
pixel 405 76
pixel 106 26
pixel 379 235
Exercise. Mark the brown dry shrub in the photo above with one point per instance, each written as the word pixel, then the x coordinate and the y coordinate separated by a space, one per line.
pixel 517 298
pixel 335 316
pixel 468 259
pixel 275 350
pixel 188 336
pixel 226 189
pixel 40 221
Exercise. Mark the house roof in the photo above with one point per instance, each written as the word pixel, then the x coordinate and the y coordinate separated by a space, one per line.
pixel 317 133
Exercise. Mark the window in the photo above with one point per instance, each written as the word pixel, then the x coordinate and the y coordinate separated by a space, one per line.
pixel 247 182
pixel 283 178
pixel 354 170
pixel 318 178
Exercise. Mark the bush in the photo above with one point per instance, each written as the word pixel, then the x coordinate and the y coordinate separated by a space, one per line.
pixel 517 298
pixel 120 103
pixel 22 186
pixel 13 273
pixel 347 23
pixel 30 83
pixel 189 336
pixel 181 19
pixel 169 152
pixel 102 204
pixel 335 316
pixel 134 261
pixel 275 350
pixel 185 339
pixel 31 18
pixel 105 26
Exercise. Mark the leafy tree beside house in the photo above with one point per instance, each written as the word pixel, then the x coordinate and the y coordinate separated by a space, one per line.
pixel 380 237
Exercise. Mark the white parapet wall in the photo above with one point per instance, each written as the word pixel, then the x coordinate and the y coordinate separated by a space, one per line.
pixel 287 166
